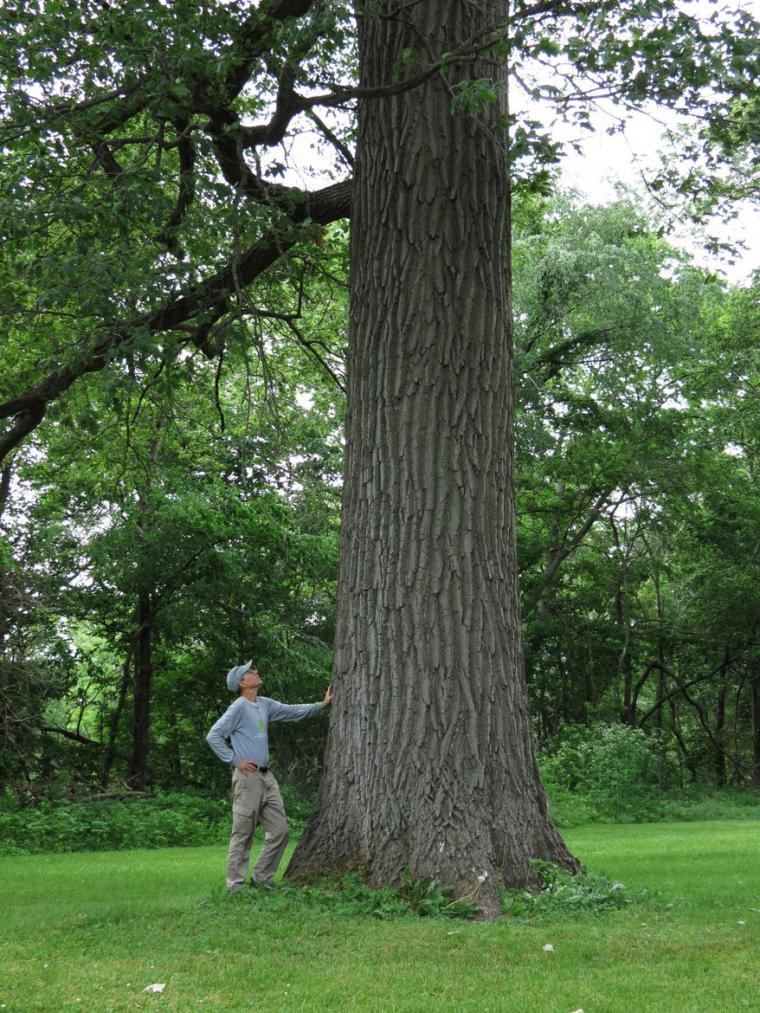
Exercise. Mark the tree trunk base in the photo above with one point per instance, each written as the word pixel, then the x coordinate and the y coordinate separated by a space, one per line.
pixel 473 861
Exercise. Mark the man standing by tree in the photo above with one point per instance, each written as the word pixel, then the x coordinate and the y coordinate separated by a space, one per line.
pixel 255 793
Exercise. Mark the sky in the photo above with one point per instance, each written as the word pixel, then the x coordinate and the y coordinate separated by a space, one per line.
pixel 625 158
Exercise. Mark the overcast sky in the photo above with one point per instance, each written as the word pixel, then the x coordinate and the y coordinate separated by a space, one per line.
pixel 629 158
pixel 626 158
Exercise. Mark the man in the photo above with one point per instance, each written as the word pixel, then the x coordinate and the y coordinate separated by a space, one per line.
pixel 255 793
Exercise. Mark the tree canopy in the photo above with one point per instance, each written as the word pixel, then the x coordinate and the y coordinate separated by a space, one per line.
pixel 144 148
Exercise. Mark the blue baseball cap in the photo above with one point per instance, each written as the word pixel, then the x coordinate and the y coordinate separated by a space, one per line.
pixel 236 674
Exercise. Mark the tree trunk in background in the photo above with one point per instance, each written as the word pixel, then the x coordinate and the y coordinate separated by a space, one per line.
pixel 660 648
pixel 720 722
pixel 429 764
pixel 137 774
pixel 623 620
pixel 109 754
pixel 138 763
pixel 755 700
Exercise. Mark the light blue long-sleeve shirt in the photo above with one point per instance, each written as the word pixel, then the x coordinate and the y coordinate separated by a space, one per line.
pixel 245 724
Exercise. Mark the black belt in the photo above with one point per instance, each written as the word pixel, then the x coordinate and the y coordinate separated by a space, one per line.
pixel 261 770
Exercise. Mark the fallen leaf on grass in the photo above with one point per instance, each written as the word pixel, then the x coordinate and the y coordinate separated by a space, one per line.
pixel 158 987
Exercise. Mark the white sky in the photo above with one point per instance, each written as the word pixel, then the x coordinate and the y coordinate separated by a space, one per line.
pixel 608 160
pixel 621 158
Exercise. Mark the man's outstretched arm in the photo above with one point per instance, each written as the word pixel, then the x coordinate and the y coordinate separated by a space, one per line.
pixel 298 711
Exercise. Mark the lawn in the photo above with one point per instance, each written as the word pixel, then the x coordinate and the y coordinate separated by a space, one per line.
pixel 91 931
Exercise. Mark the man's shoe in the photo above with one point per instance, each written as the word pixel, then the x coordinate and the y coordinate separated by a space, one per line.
pixel 263 884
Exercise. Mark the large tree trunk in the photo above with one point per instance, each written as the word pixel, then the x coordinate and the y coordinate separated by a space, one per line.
pixel 429 763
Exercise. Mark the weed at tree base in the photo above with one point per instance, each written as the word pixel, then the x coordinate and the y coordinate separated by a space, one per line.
pixel 350 895
pixel 563 892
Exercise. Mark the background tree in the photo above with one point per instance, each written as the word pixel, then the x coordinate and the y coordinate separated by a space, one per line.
pixel 232 533
pixel 629 610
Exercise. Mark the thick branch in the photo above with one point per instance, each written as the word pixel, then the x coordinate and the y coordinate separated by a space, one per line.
pixel 74 736
pixel 106 158
pixel 208 301
pixel 5 487
pixel 288 103
pixel 252 41
pixel 556 358
pixel 27 420
pixel 186 193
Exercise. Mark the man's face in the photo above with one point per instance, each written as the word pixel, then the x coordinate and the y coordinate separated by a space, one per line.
pixel 251 679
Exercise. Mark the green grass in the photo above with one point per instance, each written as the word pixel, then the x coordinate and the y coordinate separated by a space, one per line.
pixel 90 931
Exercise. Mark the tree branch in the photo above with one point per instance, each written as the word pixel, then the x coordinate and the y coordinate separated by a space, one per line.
pixel 5 486
pixel 74 736
pixel 346 154
pixel 681 687
pixel 186 193
pixel 557 357
pixel 557 556
pixel 205 303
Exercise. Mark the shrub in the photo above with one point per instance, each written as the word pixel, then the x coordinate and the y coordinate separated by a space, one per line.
pixel 614 758
pixel 113 824
pixel 617 774
pixel 32 826
pixel 599 771
pixel 561 891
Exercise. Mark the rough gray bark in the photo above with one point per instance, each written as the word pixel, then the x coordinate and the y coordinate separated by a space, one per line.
pixel 429 763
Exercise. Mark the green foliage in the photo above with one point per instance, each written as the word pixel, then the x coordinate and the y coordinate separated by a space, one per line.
pixel 169 820
pixel 428 897
pixel 470 98
pixel 350 895
pixel 562 893
pixel 617 774
pixel 219 496
pixel 603 758
pixel 229 528
pixel 637 491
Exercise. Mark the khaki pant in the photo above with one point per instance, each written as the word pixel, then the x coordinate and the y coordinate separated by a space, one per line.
pixel 255 799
